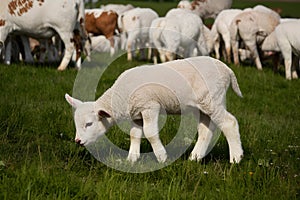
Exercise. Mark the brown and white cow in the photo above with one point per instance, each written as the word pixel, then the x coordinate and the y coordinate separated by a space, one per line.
pixel 101 22
pixel 43 19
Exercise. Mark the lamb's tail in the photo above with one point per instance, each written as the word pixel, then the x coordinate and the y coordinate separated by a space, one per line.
pixel 234 84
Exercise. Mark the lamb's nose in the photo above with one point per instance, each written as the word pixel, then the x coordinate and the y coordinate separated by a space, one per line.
pixel 78 141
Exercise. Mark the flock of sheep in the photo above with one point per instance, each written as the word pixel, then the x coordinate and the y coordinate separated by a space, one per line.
pixel 250 33
pixel 243 34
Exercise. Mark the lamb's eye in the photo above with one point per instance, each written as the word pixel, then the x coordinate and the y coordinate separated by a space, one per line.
pixel 88 124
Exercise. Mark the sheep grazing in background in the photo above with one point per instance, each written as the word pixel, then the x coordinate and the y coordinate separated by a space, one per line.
pixel 141 99
pixel 206 8
pixel 179 31
pixel 220 31
pixel 286 40
pixel 252 27
pixel 134 26
pixel 155 31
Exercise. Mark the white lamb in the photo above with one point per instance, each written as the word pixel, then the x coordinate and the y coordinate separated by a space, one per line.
pixel 134 25
pixel 252 27
pixel 285 39
pixel 220 31
pixel 197 84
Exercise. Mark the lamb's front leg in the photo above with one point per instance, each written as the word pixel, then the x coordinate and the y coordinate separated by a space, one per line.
pixel 206 129
pixel 151 132
pixel 136 133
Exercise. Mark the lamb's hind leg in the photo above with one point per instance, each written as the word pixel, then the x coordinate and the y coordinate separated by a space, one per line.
pixel 206 129
pixel 229 126
pixel 151 132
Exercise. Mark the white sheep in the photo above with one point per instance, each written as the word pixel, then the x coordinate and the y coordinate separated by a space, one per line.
pixel 252 27
pixel 286 40
pixel 134 25
pixel 197 84
pixel 220 30
pixel 178 31
pixel 155 31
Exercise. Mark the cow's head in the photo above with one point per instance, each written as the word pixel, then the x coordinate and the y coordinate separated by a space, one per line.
pixel 90 123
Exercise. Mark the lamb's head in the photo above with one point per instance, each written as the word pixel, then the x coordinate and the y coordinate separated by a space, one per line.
pixel 90 123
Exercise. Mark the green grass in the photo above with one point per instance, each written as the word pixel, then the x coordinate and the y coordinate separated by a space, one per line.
pixel 40 160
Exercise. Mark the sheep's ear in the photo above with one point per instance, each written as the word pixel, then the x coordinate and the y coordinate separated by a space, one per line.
pixel 103 114
pixel 72 101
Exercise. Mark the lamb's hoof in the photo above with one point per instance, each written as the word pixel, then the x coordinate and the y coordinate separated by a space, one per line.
pixel 161 156
pixel 60 68
pixel 195 157
pixel 236 158
pixel 133 157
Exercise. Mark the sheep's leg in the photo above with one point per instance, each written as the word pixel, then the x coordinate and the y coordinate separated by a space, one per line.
pixel 131 44
pixel 151 132
pixel 136 133
pixel 251 44
pixel 123 41
pixel 155 55
pixel 149 53
pixel 287 64
pixel 217 48
pixel 206 129
pixel 229 126
pixel 112 45
pixel 286 51
pixel 257 62
pixel 235 51
pixel 129 53
pixel 162 55
pixel 295 65
pixel 226 38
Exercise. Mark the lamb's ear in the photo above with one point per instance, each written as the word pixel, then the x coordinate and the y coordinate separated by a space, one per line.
pixel 72 101
pixel 103 114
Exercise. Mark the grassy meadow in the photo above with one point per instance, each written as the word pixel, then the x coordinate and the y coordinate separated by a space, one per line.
pixel 40 160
